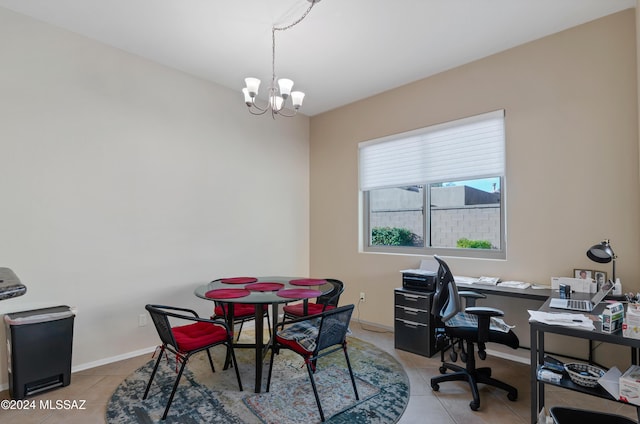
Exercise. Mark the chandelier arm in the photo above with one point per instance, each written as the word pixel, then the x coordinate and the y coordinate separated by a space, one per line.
pixel 280 112
pixel 261 111
pixel 255 107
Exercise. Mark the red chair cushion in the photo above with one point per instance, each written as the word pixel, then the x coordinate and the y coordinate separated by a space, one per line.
pixel 240 310
pixel 197 335
pixel 301 337
pixel 313 308
pixel 293 345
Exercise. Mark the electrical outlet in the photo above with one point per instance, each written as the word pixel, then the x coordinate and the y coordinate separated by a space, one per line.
pixel 362 298
pixel 142 320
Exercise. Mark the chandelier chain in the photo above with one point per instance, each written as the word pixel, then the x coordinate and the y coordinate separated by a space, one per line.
pixel 284 28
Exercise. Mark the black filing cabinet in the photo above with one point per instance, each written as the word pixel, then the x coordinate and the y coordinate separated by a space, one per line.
pixel 413 323
pixel 39 346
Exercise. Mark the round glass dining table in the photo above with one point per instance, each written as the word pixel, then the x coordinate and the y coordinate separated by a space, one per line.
pixel 261 292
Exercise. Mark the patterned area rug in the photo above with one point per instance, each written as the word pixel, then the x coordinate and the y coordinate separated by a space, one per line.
pixel 206 397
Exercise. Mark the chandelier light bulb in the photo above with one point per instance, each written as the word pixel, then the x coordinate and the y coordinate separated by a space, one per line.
pixel 248 100
pixel 253 84
pixel 296 98
pixel 285 85
pixel 276 103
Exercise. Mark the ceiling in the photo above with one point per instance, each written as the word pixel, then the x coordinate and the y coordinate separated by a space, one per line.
pixel 344 50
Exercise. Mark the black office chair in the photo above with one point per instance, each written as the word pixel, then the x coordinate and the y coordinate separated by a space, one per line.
pixel 473 326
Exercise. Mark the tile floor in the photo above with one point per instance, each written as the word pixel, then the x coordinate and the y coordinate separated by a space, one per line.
pixel 448 406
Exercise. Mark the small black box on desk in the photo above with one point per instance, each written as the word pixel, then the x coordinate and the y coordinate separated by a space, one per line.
pixel 424 281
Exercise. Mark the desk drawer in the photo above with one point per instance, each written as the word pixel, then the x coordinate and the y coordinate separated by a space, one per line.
pixel 414 337
pixel 413 300
pixel 413 314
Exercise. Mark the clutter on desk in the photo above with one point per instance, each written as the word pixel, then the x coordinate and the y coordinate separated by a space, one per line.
pixel 578 285
pixel 426 274
pixel 553 364
pixel 617 287
pixel 632 298
pixel 552 370
pixel 514 284
pixel 565 319
pixel 631 321
pixel 552 376
pixel 585 375
pixel 610 381
pixel 612 317
pixel 630 385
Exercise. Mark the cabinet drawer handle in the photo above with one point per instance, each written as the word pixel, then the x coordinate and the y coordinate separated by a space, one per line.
pixel 411 323
pixel 412 298
pixel 410 310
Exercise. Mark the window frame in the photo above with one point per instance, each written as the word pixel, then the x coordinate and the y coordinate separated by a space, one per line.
pixel 500 253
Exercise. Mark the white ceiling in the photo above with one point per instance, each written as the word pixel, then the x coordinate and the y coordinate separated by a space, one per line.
pixel 345 50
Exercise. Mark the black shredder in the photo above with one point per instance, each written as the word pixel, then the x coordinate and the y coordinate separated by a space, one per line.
pixel 39 346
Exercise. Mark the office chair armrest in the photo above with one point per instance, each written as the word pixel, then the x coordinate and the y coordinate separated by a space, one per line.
pixel 470 297
pixel 484 315
pixel 484 311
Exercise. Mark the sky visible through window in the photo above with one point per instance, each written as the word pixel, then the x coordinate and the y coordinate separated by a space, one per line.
pixel 485 184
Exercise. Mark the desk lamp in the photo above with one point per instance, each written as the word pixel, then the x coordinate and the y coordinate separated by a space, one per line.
pixel 602 253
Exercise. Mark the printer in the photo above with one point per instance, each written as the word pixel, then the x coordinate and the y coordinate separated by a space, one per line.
pixel 419 280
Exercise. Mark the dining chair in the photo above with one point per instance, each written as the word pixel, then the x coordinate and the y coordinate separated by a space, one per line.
pixel 186 340
pixel 242 312
pixel 313 337
pixel 323 302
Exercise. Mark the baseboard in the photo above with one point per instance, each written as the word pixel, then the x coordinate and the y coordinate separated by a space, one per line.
pixel 510 356
pixel 112 359
pixel 100 362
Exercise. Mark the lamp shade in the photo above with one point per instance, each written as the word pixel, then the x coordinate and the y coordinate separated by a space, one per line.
pixel 601 252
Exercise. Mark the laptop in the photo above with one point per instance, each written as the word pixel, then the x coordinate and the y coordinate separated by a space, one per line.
pixel 583 305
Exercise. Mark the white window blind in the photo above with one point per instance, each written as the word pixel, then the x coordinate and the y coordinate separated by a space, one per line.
pixel 467 148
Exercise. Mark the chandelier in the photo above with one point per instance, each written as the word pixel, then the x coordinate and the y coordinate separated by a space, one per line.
pixel 279 90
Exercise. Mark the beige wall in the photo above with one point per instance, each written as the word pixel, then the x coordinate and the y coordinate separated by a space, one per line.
pixel 572 161
pixel 123 182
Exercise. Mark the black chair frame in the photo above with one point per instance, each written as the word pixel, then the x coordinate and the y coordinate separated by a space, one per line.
pixel 160 315
pixel 328 342
pixel 328 299
pixel 446 304
pixel 240 320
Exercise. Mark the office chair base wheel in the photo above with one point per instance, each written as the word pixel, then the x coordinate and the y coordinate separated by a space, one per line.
pixel 453 355
pixel 435 387
pixel 442 369
pixel 474 405
pixel 482 354
pixel 463 357
pixel 512 396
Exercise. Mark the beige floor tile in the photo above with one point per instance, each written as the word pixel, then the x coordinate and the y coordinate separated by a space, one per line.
pixel 450 405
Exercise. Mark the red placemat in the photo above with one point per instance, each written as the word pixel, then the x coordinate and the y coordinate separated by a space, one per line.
pixel 227 293
pixel 263 287
pixel 307 282
pixel 238 280
pixel 299 293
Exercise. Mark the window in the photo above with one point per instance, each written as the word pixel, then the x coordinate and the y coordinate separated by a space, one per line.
pixel 438 189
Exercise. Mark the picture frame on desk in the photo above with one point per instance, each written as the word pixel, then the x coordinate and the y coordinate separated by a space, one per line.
pixel 584 274
pixel 600 277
